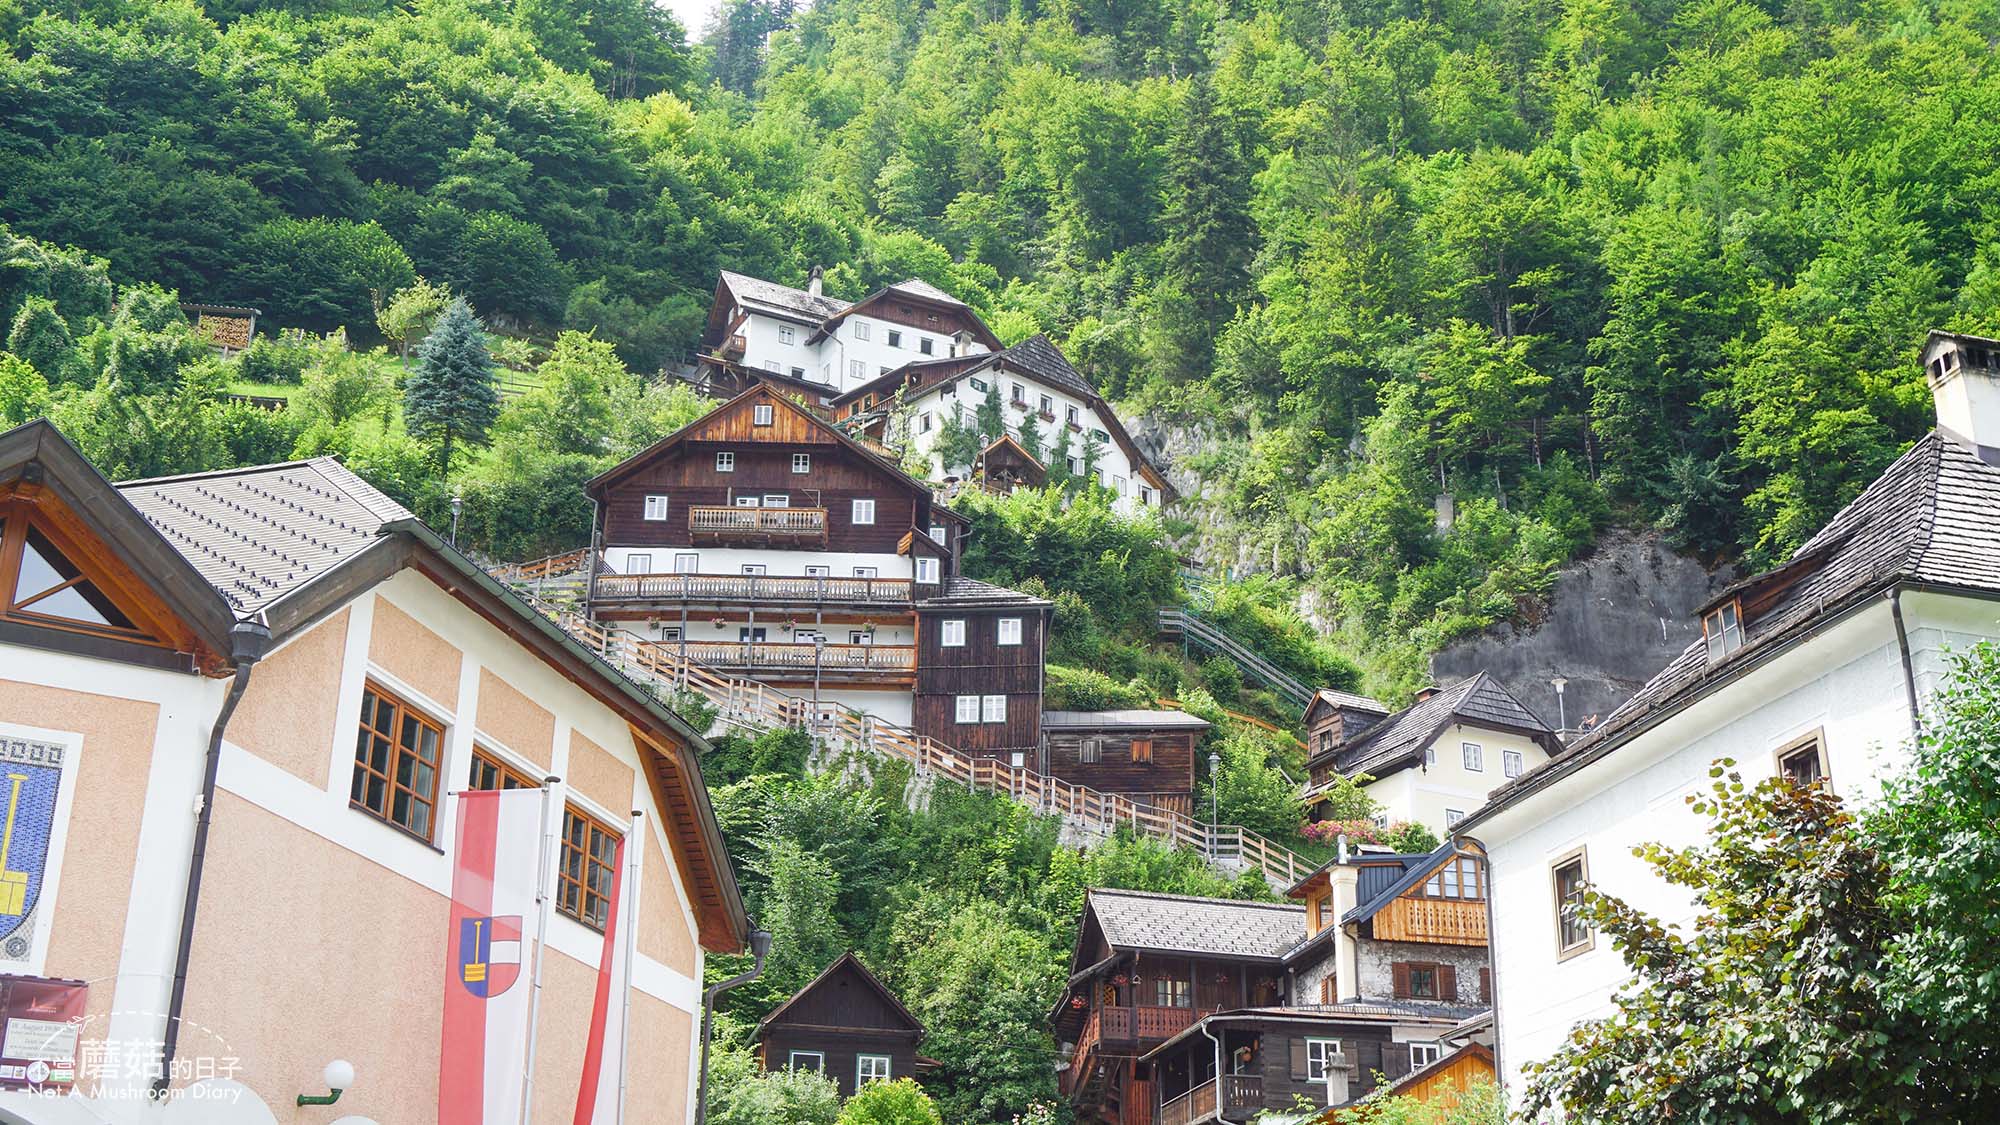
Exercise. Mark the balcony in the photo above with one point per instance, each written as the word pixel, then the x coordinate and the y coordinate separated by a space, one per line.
pixel 763 589
pixel 735 346
pixel 804 658
pixel 1197 1104
pixel 1241 1094
pixel 758 526
pixel 1150 1023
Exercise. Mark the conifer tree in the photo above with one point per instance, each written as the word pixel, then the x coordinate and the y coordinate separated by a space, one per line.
pixel 991 422
pixel 1059 459
pixel 1031 437
pixel 1211 237
pixel 451 398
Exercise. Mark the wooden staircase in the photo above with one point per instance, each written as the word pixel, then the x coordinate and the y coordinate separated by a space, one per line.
pixel 756 706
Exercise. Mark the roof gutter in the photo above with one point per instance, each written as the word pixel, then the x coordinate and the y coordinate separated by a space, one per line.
pixel 1492 962
pixel 1903 650
pixel 248 642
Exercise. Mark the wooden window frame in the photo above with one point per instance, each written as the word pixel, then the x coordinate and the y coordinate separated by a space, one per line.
pixel 1000 631
pixel 1328 1061
pixel 403 708
pixel 958 710
pixel 945 632
pixel 1435 977
pixel 802 462
pixel 862 1077
pixel 1089 751
pixel 1513 763
pixel 863 505
pixel 986 708
pixel 1472 756
pixel 1815 741
pixel 1142 751
pixel 666 507
pixel 17 518
pixel 1436 1053
pixel 792 1060
pixel 763 414
pixel 926 571
pixel 503 770
pixel 1717 629
pixel 1329 989
pixel 1580 858
pixel 725 461
pixel 1466 871
pixel 577 887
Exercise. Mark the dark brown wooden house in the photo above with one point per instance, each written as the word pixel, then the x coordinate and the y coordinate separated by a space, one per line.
pixel 845 1024
pixel 980 651
pixel 1005 466
pixel 1148 756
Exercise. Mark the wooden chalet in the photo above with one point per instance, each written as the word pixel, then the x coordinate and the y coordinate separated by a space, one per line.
pixel 847 1025
pixel 1147 756
pixel 1005 465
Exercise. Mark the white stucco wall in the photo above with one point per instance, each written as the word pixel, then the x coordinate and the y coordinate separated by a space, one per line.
pixel 1428 794
pixel 834 359
pixel 1846 683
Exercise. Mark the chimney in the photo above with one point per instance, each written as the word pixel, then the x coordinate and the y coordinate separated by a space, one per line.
pixel 1343 883
pixel 1964 374
pixel 1426 691
pixel 813 280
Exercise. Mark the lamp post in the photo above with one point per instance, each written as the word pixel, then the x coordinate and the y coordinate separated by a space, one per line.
pixel 1562 713
pixel 1214 787
pixel 457 505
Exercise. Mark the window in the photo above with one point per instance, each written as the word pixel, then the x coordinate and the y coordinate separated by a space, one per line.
pixel 1452 817
pixel 861 329
pixel 639 562
pixel 1430 756
pixel 1010 631
pixel 687 563
pixel 656 507
pixel 489 772
pixel 826 373
pixel 1168 993
pixel 937 534
pixel 589 860
pixel 1071 415
pixel 1118 485
pixel 1322 1058
pixel 924 423
pixel 1423 1055
pixel 802 462
pixel 993 709
pixel 1571 876
pixel 1723 629
pixel 856 370
pixel 818 571
pixel 924 344
pixel 763 414
pixel 1423 981
pixel 396 763
pixel 978 384
pixel 1048 406
pixel 870 1068
pixel 725 462
pixel 755 568
pixel 771 365
pixel 967 709
pixel 1019 395
pixel 951 632
pixel 864 511
pixel 895 338
pixel 749 635
pixel 798 372
pixel 670 633
pixel 51 589
pixel 1090 751
pixel 1329 989
pixel 861 636
pixel 1510 762
pixel 1142 751
pixel 1075 467
pixel 777 499
pixel 865 572
pixel 806 1060
pixel 1456 878
pixel 1148 497
pixel 787 334
pixel 1803 762
pixel 1475 757
pixel 927 571
pixel 1100 435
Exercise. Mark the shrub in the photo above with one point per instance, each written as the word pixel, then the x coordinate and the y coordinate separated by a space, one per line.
pixel 1085 689
pixel 901 1102
pixel 1222 678
pixel 269 360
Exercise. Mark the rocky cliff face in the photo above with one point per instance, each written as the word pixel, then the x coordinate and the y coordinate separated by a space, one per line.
pixel 1615 617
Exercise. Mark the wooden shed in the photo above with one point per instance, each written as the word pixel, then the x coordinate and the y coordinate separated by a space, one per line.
pixel 845 1024
pixel 1145 755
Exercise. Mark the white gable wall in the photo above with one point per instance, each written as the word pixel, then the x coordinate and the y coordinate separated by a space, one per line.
pixel 1427 794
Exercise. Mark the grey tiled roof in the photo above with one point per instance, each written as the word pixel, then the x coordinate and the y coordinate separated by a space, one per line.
pixel 1201 926
pixel 959 590
pixel 919 287
pixel 1334 697
pixel 1399 740
pixel 782 298
pixel 1042 359
pixel 1932 516
pixel 1134 719
pixel 257 534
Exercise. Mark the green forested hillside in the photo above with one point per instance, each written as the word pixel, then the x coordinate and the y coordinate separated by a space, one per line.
pixel 1571 262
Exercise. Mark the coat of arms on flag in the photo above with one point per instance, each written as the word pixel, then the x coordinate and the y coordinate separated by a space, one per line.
pixel 489 954
pixel 31 780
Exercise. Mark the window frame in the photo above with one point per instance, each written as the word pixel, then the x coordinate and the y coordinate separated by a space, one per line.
pixel 1431 973
pixel 1000 631
pixel 665 507
pixel 402 708
pixel 18 519
pixel 963 704
pixel 725 461
pixel 1452 817
pixel 503 771
pixel 1089 751
pixel 787 334
pixel 951 632
pixel 1436 1052
pixel 1579 858
pixel 987 709
pixel 861 329
pixel 1318 1068
pixel 802 462
pixel 861 1068
pixel 593 828
pixel 895 338
pixel 1513 763
pixel 763 414
pixel 926 571
pixel 862 514
pixel 1472 756
pixel 792 1060
pixel 1813 742
pixel 1722 629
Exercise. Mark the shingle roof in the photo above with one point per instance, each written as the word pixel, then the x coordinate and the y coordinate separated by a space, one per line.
pixel 257 534
pixel 1202 926
pixel 1933 516
pixel 781 298
pixel 972 592
pixel 1399 740
pixel 917 286
pixel 1039 357
pixel 1128 719
pixel 1334 697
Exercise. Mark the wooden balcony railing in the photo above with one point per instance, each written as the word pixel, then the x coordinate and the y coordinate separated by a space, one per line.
pixel 757 523
pixel 1242 1091
pixel 1197 1104
pixel 751 588
pixel 1444 920
pixel 1120 1024
pixel 795 656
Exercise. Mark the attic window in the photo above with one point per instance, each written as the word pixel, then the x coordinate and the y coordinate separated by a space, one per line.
pixel 1723 628
pixel 45 584
pixel 1458 878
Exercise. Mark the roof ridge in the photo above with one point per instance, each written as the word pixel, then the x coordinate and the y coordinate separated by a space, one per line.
pixel 1920 543
pixel 213 474
pixel 1170 897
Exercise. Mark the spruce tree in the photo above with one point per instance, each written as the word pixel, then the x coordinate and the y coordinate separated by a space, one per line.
pixel 991 423
pixel 1031 437
pixel 451 398
pixel 1211 237
pixel 1059 459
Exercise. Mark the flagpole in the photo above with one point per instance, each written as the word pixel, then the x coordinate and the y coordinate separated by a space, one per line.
pixel 541 944
pixel 631 924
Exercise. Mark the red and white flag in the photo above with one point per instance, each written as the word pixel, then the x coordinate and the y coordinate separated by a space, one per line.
pixel 600 1099
pixel 488 996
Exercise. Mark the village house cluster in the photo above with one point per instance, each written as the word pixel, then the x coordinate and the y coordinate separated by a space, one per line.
pixel 321 679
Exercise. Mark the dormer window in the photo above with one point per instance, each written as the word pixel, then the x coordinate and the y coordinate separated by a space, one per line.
pixel 1723 629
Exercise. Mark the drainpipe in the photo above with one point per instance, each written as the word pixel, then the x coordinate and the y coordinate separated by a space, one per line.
pixel 248 641
pixel 1492 962
pixel 1903 648
pixel 760 944
pixel 1220 1108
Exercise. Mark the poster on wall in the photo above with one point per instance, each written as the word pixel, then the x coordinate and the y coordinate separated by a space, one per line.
pixel 33 807
pixel 40 1024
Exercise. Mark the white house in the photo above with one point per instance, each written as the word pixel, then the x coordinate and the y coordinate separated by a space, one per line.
pixel 1431 763
pixel 1817 670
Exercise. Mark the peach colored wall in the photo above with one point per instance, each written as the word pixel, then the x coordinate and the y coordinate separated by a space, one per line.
pixel 657 1088
pixel 304 952
pixel 663 928
pixel 103 834
pixel 597 775
pixel 289 708
pixel 515 720
pixel 569 991
pixel 418 656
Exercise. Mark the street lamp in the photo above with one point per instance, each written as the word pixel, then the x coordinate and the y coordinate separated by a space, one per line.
pixel 457 505
pixel 1214 787
pixel 1562 713
pixel 339 1076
